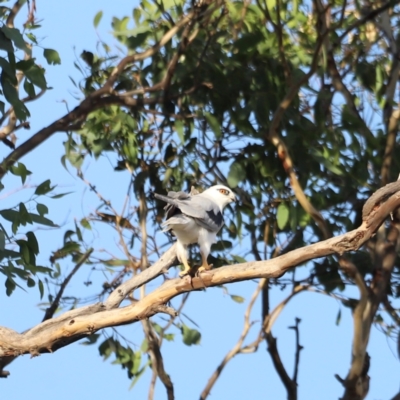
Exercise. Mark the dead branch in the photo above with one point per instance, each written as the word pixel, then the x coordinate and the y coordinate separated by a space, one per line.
pixel 268 321
pixel 157 359
pixel 237 347
pixel 299 347
pixel 356 383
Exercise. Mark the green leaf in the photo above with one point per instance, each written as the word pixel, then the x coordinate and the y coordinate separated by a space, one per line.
pixel 115 262
pixel 236 174
pixel 85 223
pixel 11 95
pixel 238 299
pixel 2 241
pixel 24 251
pixel 106 348
pixel 9 254
pixel 214 125
pixel 10 286
pixel 31 37
pixel 36 75
pixel 282 215
pixel 15 35
pixel 169 336
pixel 20 170
pixel 24 215
pixel 42 209
pixel 41 289
pixel 238 259
pixel 10 71
pixel 91 339
pixel 10 215
pixel 24 65
pixel 138 375
pixel 30 282
pixel 179 131
pixel 6 43
pixel 88 57
pixel 21 111
pixel 32 242
pixel 58 196
pixel 97 18
pixel 136 15
pixel 190 336
pixel 339 316
pixel 52 57
pixel 44 188
pixel 42 220
pixel 29 88
pixel 9 90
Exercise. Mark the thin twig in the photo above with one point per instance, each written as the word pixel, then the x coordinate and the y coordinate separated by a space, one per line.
pixel 54 305
pixel 298 349
pixel 142 221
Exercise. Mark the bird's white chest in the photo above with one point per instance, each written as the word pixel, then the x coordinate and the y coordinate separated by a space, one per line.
pixel 192 233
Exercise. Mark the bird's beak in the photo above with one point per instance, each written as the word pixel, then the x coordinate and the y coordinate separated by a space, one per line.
pixel 234 198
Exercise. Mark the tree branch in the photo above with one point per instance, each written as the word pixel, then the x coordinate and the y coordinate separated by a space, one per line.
pixel 368 17
pixel 157 359
pixel 299 347
pixel 60 331
pixel 268 321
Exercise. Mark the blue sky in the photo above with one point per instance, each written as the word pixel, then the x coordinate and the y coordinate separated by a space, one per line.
pixel 78 371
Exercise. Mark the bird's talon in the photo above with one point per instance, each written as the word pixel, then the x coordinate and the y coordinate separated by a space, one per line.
pixel 182 274
pixel 203 268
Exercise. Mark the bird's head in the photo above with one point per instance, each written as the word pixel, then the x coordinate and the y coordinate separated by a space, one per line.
pixel 222 195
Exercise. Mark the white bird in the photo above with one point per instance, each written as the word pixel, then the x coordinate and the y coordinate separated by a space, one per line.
pixel 195 219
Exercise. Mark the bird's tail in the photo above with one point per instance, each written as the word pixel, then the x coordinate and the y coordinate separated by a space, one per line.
pixel 164 198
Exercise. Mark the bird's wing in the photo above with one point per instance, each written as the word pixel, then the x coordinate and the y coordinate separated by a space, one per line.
pixel 170 209
pixel 205 212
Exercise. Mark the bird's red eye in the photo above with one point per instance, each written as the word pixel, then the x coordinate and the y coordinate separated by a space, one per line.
pixel 224 191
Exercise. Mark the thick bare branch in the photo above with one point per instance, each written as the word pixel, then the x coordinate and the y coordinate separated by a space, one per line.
pixel 58 332
pixel 356 383
pixel 13 13
pixel 160 267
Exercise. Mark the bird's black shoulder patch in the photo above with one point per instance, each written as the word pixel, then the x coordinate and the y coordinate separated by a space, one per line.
pixel 216 218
